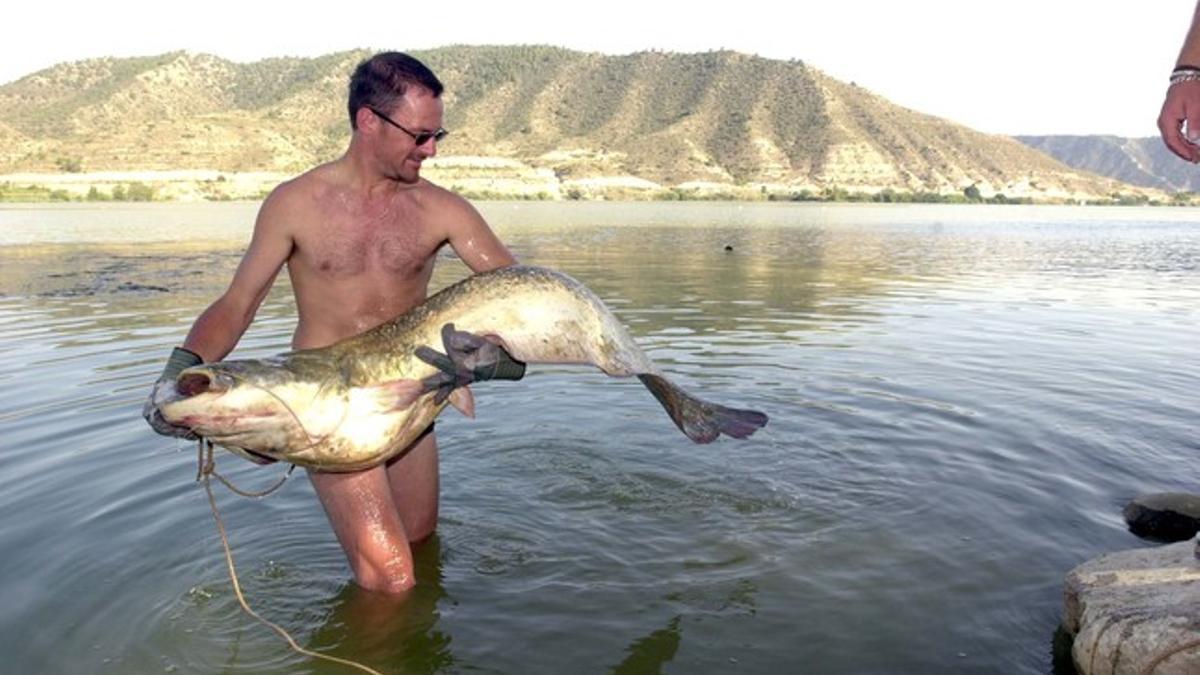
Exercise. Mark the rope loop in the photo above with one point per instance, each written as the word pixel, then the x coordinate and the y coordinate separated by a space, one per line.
pixel 206 469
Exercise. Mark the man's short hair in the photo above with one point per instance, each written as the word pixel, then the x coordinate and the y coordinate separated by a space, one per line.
pixel 382 80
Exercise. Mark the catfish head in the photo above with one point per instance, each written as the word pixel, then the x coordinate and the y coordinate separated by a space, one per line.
pixel 263 405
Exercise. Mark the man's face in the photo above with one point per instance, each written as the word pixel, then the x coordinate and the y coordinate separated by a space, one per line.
pixel 418 112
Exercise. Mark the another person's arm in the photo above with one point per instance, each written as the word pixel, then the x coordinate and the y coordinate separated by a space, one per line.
pixel 1181 110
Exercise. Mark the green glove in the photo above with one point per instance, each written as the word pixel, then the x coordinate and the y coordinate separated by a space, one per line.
pixel 164 388
pixel 468 358
pixel 180 360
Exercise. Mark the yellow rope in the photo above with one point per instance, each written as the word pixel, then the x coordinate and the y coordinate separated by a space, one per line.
pixel 207 469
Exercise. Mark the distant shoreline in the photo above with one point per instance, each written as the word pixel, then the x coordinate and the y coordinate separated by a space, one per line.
pixel 498 182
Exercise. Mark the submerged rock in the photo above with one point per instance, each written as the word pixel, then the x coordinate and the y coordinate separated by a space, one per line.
pixel 1136 612
pixel 1166 516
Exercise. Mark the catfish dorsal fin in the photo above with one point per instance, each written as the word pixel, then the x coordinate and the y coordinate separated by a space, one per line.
pixel 464 401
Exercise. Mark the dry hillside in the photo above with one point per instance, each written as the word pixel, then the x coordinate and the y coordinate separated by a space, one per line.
pixel 524 119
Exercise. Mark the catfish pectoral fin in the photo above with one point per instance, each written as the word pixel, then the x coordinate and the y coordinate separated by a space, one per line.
pixel 700 420
pixel 463 401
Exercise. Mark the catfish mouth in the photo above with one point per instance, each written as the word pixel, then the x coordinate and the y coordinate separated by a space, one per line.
pixel 195 381
pixel 214 404
pixel 195 393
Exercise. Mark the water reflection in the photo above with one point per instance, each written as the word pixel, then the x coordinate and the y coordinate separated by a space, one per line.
pixel 788 277
pixel 392 633
pixel 649 653
pixel 774 281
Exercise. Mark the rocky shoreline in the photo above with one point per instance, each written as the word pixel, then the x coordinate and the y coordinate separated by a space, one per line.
pixel 1137 612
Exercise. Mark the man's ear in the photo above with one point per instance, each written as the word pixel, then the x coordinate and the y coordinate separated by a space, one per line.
pixel 364 117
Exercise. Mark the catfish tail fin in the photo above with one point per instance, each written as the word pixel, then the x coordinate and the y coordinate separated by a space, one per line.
pixel 700 420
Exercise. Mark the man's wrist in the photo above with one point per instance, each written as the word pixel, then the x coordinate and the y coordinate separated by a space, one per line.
pixel 505 368
pixel 1185 72
pixel 180 360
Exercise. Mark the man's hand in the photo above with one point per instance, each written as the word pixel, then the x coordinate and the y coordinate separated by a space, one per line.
pixel 1182 108
pixel 164 390
pixel 468 358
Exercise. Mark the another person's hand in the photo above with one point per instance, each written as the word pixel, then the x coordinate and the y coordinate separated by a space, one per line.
pixel 1179 121
pixel 164 389
pixel 468 358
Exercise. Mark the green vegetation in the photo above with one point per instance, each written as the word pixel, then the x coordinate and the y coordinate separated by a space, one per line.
pixel 495 196
pixel 263 84
pixel 125 192
pixel 31 193
pixel 132 192
pixel 1121 199
pixel 889 196
pixel 677 85
pixel 69 164
pixel 44 103
pixel 473 74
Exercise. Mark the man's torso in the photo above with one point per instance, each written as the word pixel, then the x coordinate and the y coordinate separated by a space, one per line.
pixel 357 262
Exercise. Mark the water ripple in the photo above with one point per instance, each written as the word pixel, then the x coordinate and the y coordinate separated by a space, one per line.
pixel 961 400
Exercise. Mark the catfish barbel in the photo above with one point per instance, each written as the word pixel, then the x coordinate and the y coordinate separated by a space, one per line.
pixel 360 401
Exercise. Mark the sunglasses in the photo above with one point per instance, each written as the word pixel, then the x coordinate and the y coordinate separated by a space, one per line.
pixel 419 138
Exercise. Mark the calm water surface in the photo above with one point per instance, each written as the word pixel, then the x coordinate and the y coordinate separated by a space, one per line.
pixel 962 399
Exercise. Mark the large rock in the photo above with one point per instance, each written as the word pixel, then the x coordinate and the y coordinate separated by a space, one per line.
pixel 1130 610
pixel 1166 516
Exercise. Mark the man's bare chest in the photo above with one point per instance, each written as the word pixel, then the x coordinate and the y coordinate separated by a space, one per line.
pixel 349 249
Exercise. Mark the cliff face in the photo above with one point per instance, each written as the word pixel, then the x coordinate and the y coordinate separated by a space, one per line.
pixel 1138 161
pixel 646 119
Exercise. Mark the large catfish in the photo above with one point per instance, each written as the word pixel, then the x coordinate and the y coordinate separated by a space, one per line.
pixel 361 401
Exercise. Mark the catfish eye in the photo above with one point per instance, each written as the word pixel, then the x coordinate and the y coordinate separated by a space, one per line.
pixel 193 384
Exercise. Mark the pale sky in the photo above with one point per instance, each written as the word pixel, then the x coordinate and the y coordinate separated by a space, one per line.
pixel 1014 67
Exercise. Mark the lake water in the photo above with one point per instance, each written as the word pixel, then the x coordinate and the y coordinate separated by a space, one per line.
pixel 962 398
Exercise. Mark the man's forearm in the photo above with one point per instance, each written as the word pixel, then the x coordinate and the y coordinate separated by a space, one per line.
pixel 217 330
pixel 1189 55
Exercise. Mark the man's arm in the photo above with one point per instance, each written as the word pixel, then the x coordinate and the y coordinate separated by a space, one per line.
pixel 470 358
pixel 1183 98
pixel 471 238
pixel 218 328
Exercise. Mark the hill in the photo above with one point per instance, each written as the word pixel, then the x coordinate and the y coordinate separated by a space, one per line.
pixel 531 120
pixel 1138 161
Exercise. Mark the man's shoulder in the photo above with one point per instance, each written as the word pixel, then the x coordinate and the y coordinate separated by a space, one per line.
pixel 308 184
pixel 301 192
pixel 442 198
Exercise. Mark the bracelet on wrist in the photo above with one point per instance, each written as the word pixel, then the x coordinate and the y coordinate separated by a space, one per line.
pixel 1185 76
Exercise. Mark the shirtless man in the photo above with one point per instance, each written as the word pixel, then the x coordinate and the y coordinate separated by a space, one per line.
pixel 359 236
